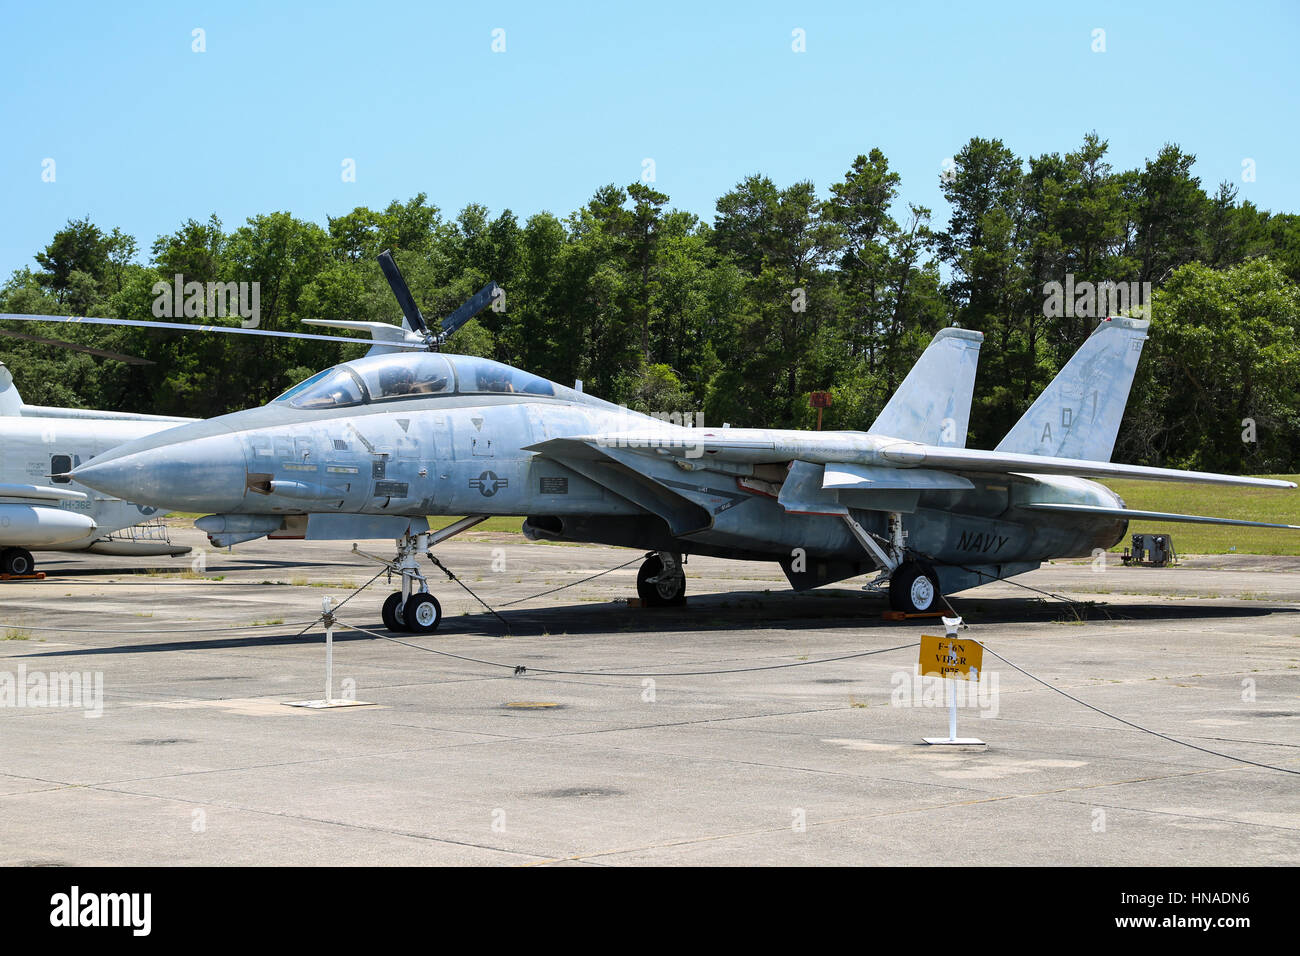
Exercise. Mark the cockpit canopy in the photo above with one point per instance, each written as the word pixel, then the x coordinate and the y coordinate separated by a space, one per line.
pixel 394 377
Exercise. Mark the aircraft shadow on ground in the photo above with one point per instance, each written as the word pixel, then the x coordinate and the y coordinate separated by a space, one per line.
pixel 54 572
pixel 706 614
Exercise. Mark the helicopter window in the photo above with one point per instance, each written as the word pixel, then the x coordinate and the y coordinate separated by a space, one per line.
pixel 484 375
pixel 60 465
pixel 333 388
pixel 404 376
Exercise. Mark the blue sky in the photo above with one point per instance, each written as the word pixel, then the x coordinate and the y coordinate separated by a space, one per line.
pixel 146 133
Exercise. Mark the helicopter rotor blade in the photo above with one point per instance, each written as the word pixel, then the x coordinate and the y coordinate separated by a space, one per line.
pixel 101 353
pixel 402 292
pixel 186 327
pixel 472 307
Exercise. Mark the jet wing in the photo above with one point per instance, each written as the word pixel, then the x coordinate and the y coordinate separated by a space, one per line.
pixel 685 506
pixel 1131 514
pixel 780 446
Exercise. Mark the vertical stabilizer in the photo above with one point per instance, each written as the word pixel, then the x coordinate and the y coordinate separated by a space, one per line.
pixel 1079 413
pixel 932 405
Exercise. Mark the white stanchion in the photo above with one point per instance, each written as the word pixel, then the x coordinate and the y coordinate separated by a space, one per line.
pixel 329 700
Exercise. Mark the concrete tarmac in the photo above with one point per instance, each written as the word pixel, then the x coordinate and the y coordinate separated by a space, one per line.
pixel 195 759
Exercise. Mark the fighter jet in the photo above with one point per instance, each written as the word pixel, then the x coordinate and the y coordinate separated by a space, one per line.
pixel 371 447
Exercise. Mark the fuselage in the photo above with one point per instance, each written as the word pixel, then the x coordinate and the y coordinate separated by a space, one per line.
pixel 423 434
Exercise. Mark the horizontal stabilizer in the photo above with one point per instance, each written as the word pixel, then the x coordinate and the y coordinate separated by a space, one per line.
pixel 906 454
pixel 1134 515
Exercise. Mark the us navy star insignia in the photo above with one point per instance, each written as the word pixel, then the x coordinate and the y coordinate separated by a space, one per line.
pixel 488 484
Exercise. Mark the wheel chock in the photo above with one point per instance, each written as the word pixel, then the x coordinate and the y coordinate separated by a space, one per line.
pixel 906 616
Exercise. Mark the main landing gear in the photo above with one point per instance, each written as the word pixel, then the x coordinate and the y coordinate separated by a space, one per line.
pixel 16 561
pixel 913 586
pixel 914 589
pixel 661 582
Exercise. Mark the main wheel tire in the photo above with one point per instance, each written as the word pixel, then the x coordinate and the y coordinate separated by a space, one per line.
pixel 422 613
pixel 914 589
pixel 657 589
pixel 17 561
pixel 392 612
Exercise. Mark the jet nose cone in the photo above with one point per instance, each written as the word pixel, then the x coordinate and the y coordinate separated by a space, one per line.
pixel 203 474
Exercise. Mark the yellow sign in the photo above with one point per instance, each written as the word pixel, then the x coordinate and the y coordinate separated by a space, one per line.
pixel 952 657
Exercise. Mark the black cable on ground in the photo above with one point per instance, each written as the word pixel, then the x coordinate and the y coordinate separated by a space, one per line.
pixel 491 610
pixel 1104 713
pixel 571 584
pixel 519 669
pixel 1145 730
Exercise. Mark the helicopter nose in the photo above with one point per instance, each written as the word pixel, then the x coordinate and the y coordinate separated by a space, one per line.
pixel 202 474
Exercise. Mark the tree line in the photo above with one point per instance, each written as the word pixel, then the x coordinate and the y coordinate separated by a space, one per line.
pixel 785 292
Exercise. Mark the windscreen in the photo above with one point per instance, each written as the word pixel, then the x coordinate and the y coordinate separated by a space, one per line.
pixel 375 378
pixel 333 388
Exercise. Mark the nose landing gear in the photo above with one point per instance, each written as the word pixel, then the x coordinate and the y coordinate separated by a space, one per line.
pixel 413 608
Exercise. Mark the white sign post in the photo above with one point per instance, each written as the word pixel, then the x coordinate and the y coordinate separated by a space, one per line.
pixel 960 668
pixel 327 618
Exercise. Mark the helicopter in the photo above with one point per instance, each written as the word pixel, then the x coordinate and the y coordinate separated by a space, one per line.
pixel 40 510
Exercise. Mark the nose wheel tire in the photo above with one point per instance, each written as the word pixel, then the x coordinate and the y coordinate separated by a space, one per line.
pixel 16 561
pixel 422 613
pixel 914 589
pixel 392 612
pixel 660 587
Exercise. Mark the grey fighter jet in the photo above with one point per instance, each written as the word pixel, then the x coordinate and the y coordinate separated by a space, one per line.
pixel 371 447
